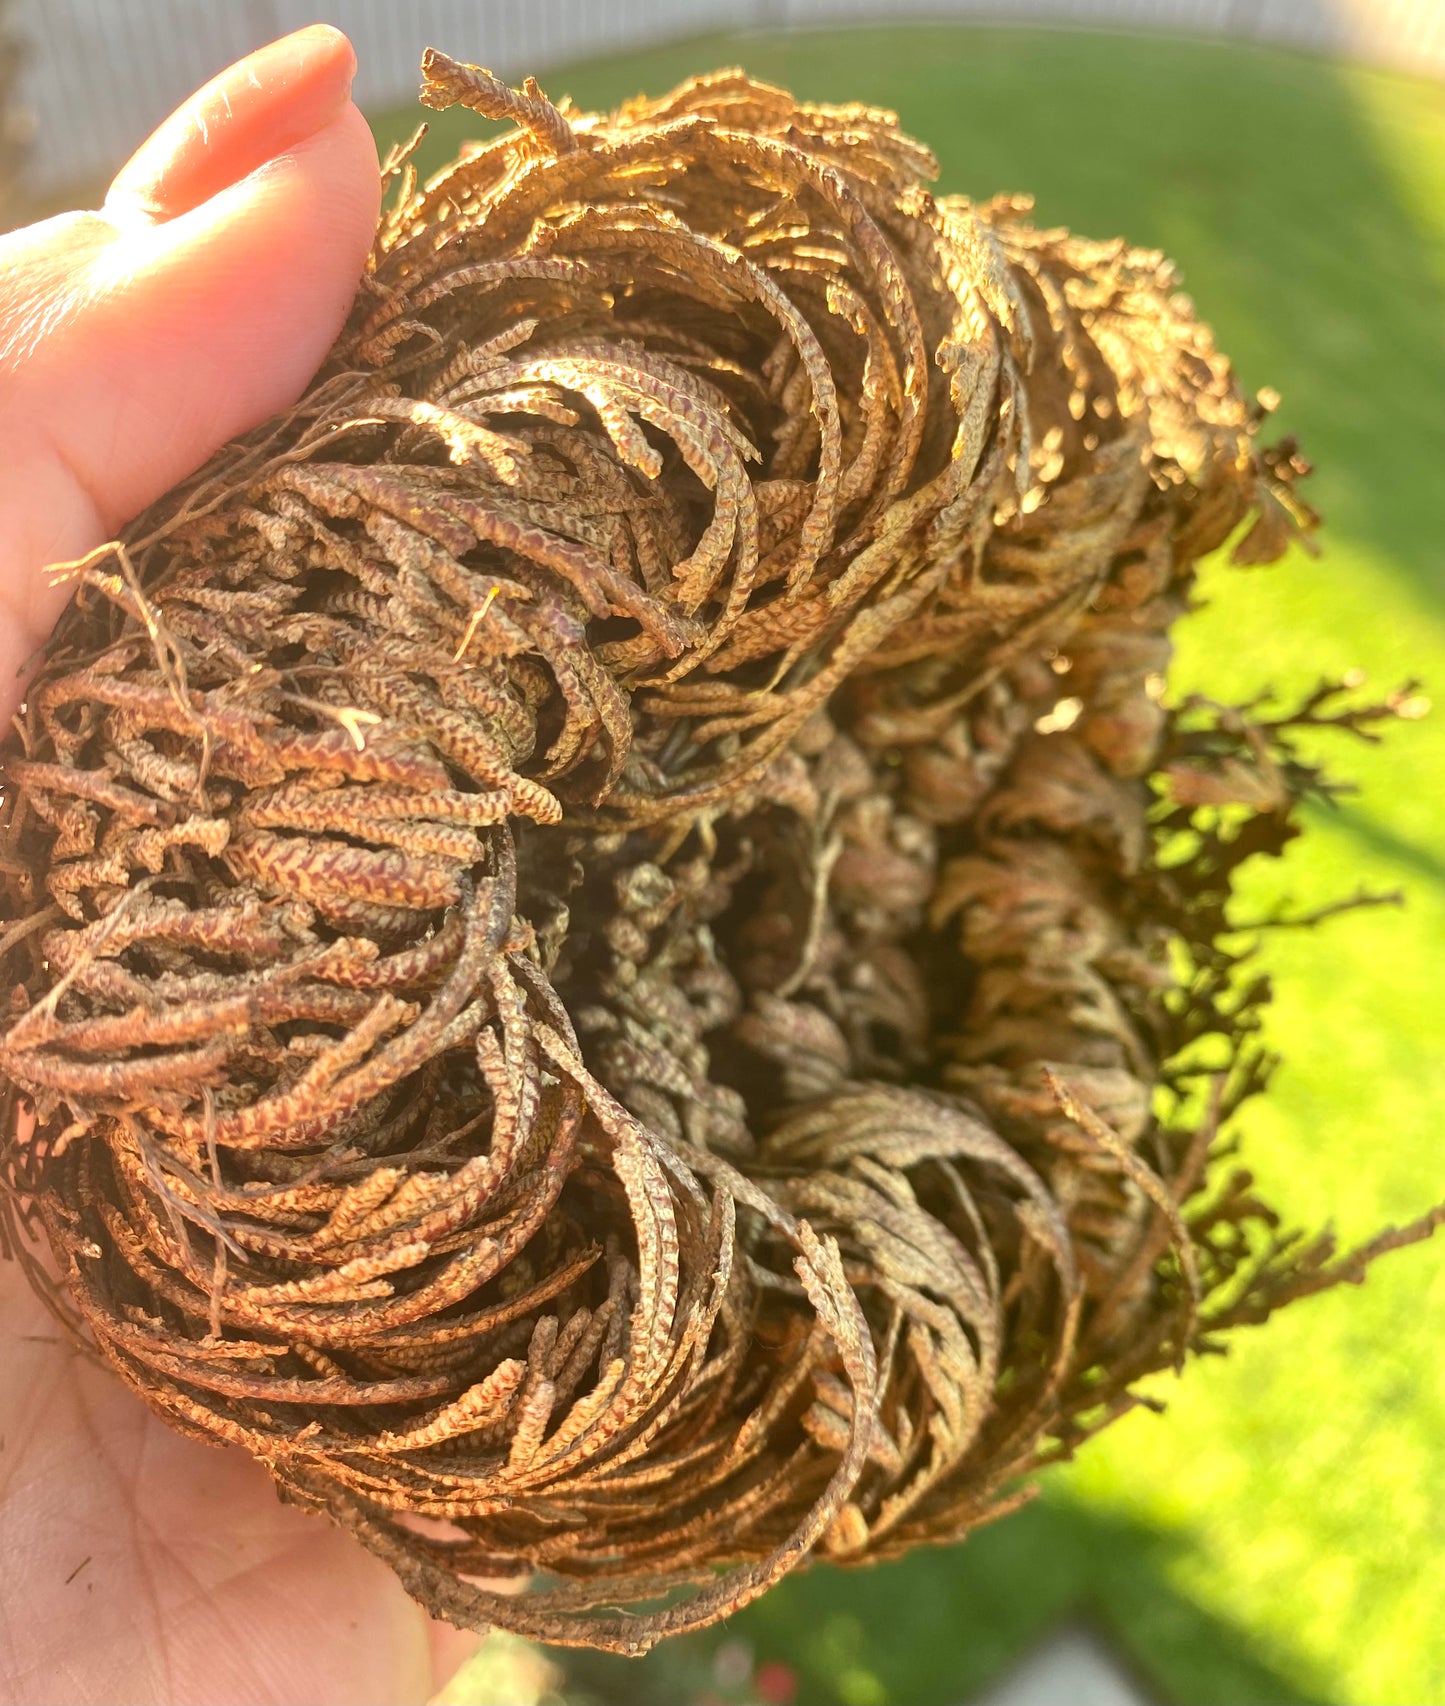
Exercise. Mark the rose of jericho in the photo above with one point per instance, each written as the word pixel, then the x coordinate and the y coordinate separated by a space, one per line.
pixel 613 938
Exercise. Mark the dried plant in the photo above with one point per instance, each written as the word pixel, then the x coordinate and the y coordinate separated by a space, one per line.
pixel 613 939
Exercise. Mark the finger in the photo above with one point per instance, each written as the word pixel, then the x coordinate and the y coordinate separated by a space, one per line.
pixel 253 111
pixel 129 355
pixel 450 1650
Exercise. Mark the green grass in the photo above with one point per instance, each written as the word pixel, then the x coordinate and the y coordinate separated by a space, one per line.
pixel 1278 1536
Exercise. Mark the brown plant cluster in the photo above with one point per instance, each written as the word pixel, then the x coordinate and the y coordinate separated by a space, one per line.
pixel 612 940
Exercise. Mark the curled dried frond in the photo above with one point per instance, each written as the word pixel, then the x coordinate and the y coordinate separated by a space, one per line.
pixel 613 942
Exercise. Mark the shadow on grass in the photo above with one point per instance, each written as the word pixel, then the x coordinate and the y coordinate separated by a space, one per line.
pixel 1367 829
pixel 936 1627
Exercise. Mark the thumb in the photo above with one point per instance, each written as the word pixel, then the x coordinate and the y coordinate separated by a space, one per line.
pixel 200 300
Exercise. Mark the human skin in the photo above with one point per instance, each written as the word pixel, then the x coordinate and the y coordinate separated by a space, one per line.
pixel 135 1565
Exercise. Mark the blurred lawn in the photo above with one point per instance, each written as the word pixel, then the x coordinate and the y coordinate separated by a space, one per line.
pixel 1280 1536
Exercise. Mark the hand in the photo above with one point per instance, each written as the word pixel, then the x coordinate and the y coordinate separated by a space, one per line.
pixel 136 1565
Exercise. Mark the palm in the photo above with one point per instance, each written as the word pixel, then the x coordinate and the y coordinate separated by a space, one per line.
pixel 143 1566
pixel 135 1565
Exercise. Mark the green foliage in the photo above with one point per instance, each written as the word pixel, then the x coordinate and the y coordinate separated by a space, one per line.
pixel 1276 1536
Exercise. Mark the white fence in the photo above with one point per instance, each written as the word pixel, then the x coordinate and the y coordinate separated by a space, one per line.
pixel 100 73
